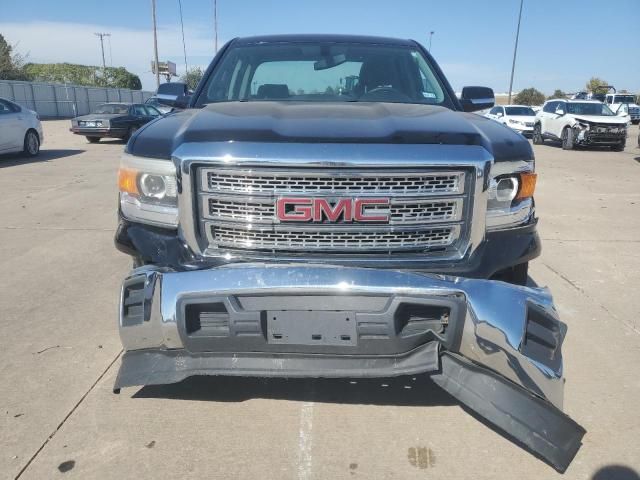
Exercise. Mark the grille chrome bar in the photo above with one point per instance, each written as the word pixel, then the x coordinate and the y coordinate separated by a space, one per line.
pixel 330 240
pixel 325 182
pixel 258 210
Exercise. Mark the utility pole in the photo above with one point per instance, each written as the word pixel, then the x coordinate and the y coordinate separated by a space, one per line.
pixel 102 35
pixel 430 37
pixel 155 42
pixel 215 23
pixel 515 51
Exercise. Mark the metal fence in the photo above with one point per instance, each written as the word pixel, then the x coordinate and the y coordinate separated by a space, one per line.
pixel 55 100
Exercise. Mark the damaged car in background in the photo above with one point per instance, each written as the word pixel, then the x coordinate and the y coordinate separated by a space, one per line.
pixel 580 123
pixel 326 207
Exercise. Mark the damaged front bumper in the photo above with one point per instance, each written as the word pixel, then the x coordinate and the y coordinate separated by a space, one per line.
pixel 495 347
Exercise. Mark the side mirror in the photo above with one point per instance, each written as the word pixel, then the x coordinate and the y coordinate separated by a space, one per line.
pixel 560 111
pixel 182 102
pixel 500 114
pixel 473 99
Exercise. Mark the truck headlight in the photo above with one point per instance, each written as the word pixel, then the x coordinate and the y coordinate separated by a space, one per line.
pixel 510 200
pixel 148 191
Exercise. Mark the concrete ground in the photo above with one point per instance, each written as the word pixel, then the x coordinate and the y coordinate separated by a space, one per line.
pixel 59 281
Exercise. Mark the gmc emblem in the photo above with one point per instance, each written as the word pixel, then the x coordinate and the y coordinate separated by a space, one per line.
pixel 321 210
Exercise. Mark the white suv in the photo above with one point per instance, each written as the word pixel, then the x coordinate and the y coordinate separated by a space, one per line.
pixel 517 117
pixel 580 123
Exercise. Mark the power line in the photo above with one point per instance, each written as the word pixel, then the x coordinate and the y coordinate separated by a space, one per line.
pixel 102 35
pixel 184 46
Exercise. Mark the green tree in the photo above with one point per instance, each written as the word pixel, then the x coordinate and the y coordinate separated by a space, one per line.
pixel 192 77
pixel 557 94
pixel 85 75
pixel 595 82
pixel 10 62
pixel 530 96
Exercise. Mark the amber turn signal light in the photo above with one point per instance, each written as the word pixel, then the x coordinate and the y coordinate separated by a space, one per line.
pixel 527 185
pixel 128 181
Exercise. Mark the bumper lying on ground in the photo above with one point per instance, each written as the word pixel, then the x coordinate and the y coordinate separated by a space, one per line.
pixel 496 347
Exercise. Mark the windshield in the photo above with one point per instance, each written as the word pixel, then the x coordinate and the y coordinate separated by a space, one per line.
pixel 324 73
pixel 624 99
pixel 111 108
pixel 520 111
pixel 589 109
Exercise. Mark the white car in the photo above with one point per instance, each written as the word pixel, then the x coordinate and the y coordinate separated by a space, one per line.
pixel 20 129
pixel 520 118
pixel 580 123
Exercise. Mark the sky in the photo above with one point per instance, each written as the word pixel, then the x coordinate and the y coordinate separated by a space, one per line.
pixel 562 43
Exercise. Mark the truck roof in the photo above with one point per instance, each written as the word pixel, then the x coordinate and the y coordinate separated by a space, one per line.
pixel 315 38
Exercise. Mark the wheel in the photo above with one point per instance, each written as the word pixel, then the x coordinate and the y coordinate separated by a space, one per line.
pixel 130 132
pixel 619 147
pixel 518 274
pixel 31 146
pixel 537 134
pixel 567 139
pixel 93 139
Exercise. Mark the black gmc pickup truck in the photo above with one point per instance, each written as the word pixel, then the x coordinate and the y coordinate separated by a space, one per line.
pixel 327 207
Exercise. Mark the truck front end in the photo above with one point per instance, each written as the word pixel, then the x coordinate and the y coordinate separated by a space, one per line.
pixel 340 239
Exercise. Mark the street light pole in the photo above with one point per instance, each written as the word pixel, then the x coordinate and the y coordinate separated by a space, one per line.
pixel 184 45
pixel 430 38
pixel 155 42
pixel 515 51
pixel 215 23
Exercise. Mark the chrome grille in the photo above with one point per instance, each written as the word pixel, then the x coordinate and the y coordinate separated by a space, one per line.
pixel 428 210
pixel 432 210
pixel 331 240
pixel 250 182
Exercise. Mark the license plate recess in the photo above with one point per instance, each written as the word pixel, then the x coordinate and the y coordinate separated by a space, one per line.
pixel 303 327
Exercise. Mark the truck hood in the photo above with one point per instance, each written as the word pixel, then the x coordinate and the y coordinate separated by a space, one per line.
pixel 339 122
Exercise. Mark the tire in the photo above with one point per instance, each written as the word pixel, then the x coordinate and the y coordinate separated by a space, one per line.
pixel 93 139
pixel 517 275
pixel 619 147
pixel 130 132
pixel 31 145
pixel 537 135
pixel 567 139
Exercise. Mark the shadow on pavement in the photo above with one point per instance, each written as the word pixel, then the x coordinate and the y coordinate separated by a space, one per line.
pixel 11 160
pixel 616 472
pixel 418 390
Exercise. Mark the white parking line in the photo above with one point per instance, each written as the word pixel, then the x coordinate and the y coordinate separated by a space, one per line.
pixel 305 441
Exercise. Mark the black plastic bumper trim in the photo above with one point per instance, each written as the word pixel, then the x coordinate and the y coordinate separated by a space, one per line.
pixel 534 423
pixel 158 367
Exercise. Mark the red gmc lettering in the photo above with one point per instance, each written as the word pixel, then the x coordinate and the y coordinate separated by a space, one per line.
pixel 301 211
pixel 347 210
pixel 342 207
pixel 361 216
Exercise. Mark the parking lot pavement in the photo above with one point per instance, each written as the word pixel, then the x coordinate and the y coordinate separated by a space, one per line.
pixel 60 348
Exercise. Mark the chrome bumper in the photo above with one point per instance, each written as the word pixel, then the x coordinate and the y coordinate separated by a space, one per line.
pixel 493 333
